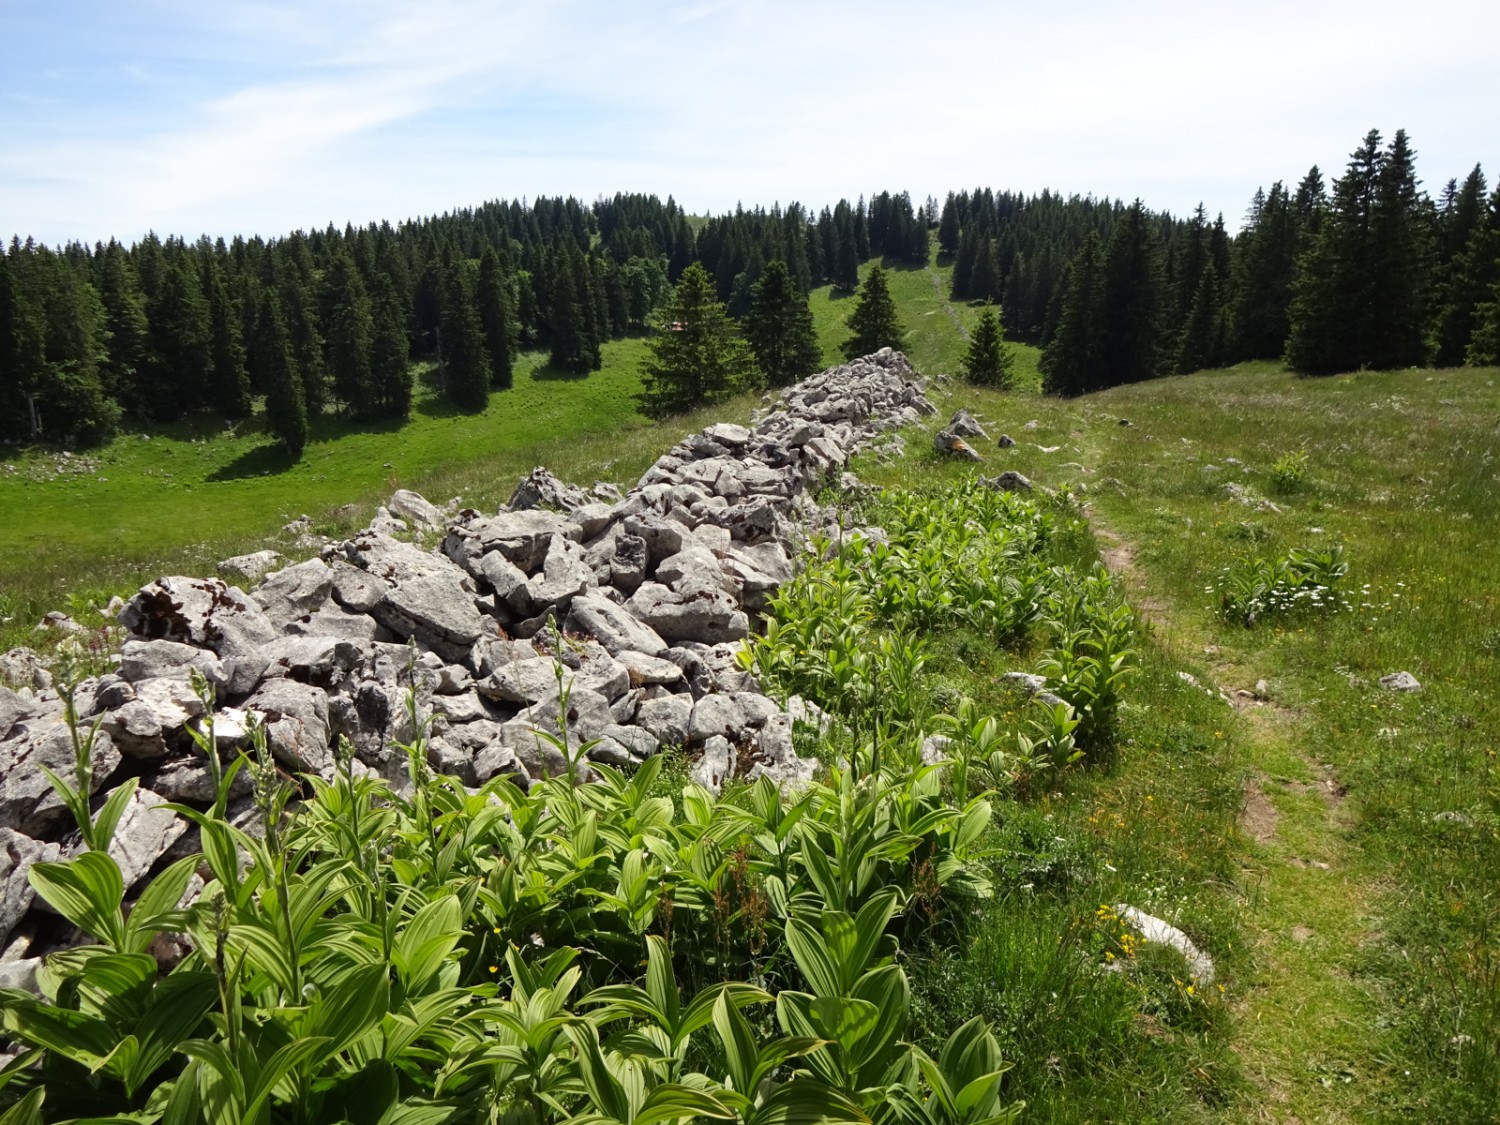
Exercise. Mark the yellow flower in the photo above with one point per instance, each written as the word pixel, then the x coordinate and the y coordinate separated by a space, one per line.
pixel 494 968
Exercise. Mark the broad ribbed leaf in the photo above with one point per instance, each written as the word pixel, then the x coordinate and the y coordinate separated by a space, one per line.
pixel 87 891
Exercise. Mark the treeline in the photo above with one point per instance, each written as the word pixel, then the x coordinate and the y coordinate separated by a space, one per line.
pixel 1370 274
pixel 329 321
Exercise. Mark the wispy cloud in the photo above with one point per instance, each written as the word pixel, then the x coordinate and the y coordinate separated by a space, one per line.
pixel 263 117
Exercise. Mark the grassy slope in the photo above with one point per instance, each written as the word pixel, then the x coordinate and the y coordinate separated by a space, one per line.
pixel 1356 906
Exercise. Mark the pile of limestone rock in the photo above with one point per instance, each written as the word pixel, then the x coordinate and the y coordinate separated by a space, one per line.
pixel 636 605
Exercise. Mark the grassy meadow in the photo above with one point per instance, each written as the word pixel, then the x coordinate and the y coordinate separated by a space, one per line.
pixel 1333 845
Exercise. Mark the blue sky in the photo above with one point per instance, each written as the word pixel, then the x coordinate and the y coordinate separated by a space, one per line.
pixel 261 117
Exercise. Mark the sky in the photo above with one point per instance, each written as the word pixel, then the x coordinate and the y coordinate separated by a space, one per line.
pixel 261 116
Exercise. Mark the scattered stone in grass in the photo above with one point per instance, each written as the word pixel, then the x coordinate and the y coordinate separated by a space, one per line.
pixel 946 441
pixel 1453 818
pixel 1262 690
pixel 1009 481
pixel 965 424
pixel 1031 425
pixel 1159 932
pixel 1006 441
pixel 1125 422
pixel 1400 681
pixel 1049 448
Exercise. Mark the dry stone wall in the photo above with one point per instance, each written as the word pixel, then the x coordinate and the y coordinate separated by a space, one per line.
pixel 652 593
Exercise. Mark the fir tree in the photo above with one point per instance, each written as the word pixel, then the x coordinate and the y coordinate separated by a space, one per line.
pixel 497 317
pixel 181 344
pixel 227 345
pixel 1073 362
pixel 1484 346
pixel 988 362
pixel 948 226
pixel 22 358
pixel 572 349
pixel 466 367
pixel 300 318
pixel 1471 279
pixel 390 365
pixel 780 328
pixel 873 324
pixel 349 334
pixel 271 353
pixel 128 331
pixel 1199 341
pixel 1132 300
pixel 698 356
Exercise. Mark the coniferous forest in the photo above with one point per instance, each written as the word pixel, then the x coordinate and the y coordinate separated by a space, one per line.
pixel 1365 271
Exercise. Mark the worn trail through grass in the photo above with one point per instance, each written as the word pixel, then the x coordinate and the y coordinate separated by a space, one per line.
pixel 1303 1022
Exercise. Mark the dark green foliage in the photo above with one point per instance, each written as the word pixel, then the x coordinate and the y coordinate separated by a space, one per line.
pixel 497 316
pixel 300 316
pixel 1072 363
pixel 1470 278
pixel 348 334
pixel 1133 313
pixel 573 347
pixel 698 356
pixel 271 354
pixel 873 324
pixel 231 393
pixel 1362 286
pixel 128 331
pixel 948 226
pixel 22 359
pixel 390 366
pixel 1484 345
pixel 988 362
pixel 1200 344
pixel 466 365
pixel 780 328
pixel 181 344
pixel 1268 248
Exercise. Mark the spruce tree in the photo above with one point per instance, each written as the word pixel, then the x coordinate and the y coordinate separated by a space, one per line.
pixel 497 317
pixel 1073 362
pixel 348 334
pixel 572 349
pixel 988 362
pixel 181 344
pixel 466 366
pixel 1133 300
pixel 231 395
pixel 873 324
pixel 698 356
pixel 780 328
pixel 1471 279
pixel 128 330
pixel 1402 254
pixel 1484 345
pixel 390 365
pixel 948 226
pixel 271 353
pixel 1198 343
pixel 22 358
pixel 300 319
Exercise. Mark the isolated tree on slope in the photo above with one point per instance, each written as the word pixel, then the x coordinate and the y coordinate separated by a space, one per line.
pixel 286 409
pixel 988 362
pixel 698 356
pixel 873 324
pixel 780 328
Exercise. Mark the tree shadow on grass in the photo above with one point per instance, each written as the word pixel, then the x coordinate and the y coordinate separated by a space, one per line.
pixel 262 461
pixel 547 373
